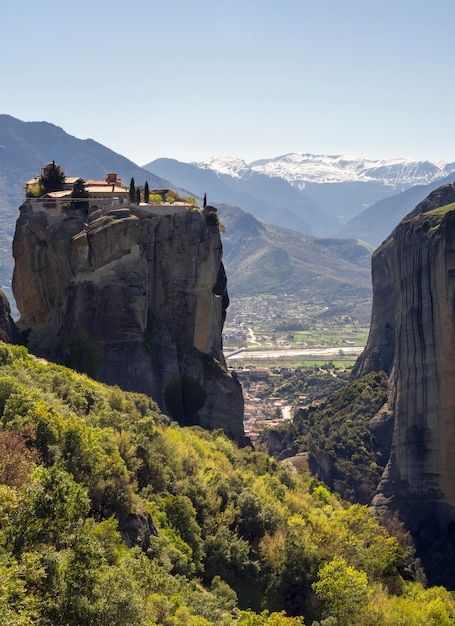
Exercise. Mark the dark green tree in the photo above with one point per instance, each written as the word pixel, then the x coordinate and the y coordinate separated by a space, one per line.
pixel 138 196
pixel 146 193
pixel 52 178
pixel 79 194
pixel 132 191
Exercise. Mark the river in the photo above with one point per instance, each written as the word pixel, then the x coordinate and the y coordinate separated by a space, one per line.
pixel 271 353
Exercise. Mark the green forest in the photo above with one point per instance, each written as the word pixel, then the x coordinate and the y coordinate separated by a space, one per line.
pixel 336 436
pixel 112 515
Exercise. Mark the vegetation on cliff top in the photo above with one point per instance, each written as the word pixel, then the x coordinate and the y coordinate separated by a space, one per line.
pixel 442 210
pixel 429 221
pixel 111 515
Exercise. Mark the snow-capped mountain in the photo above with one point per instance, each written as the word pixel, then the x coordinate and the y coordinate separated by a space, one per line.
pixel 300 169
pixel 315 194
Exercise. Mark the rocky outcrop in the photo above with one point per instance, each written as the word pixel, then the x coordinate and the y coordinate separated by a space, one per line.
pixel 8 330
pixel 132 298
pixel 412 337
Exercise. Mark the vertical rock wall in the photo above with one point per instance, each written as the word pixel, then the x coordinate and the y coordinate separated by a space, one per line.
pixel 133 299
pixel 412 337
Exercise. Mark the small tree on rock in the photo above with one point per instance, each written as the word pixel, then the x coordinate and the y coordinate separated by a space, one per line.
pixel 79 194
pixel 132 191
pixel 52 178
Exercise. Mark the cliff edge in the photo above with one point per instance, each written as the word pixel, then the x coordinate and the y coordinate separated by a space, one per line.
pixel 134 298
pixel 412 338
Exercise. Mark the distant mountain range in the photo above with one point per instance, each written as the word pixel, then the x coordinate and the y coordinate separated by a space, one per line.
pixel 376 222
pixel 283 192
pixel 271 199
pixel 301 169
pixel 314 194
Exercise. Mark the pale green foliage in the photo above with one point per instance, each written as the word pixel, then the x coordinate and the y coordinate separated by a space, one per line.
pixel 222 590
pixel 417 606
pixel 246 618
pixel 17 608
pixel 96 463
pixel 35 190
pixel 342 589
pixel 193 202
pixel 321 494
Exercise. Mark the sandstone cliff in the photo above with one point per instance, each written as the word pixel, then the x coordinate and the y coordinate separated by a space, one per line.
pixel 131 298
pixel 412 337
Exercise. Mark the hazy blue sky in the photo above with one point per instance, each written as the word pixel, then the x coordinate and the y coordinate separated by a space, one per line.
pixel 247 78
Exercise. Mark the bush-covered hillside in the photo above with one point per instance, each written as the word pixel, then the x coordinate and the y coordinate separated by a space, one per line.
pixel 336 436
pixel 315 383
pixel 111 515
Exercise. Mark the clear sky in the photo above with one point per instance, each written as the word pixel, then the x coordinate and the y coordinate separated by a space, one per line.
pixel 246 78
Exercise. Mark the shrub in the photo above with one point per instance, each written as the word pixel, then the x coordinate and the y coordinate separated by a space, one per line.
pixel 16 459
pixel 342 589
pixel 35 190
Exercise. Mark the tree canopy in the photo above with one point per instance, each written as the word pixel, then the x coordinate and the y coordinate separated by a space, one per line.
pixel 110 514
pixel 52 178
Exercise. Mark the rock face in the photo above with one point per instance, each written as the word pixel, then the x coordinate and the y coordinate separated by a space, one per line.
pixel 8 330
pixel 132 298
pixel 412 337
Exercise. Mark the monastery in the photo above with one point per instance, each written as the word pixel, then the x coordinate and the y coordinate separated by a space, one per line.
pixel 98 197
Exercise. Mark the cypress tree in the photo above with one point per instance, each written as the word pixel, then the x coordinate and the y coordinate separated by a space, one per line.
pixel 52 178
pixel 132 191
pixel 138 196
pixel 205 201
pixel 80 194
pixel 146 193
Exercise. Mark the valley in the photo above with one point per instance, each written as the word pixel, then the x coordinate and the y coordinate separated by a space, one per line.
pixel 272 394
pixel 290 324
pixel 268 338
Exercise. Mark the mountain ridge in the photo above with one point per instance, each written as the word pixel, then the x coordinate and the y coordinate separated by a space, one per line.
pixel 377 221
pixel 299 168
pixel 272 200
pixel 24 144
pixel 308 266
pixel 16 168
pixel 315 194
